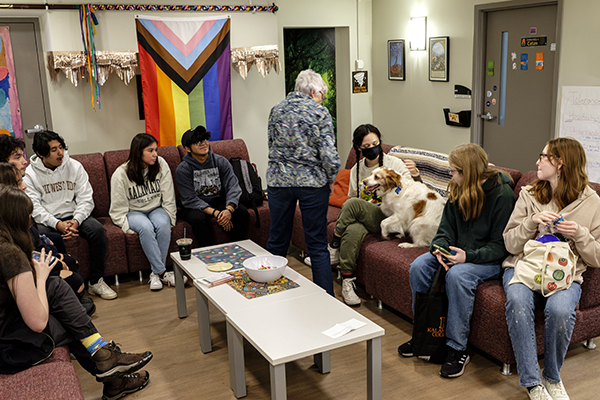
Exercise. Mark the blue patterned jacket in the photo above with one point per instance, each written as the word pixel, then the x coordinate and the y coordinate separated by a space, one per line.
pixel 302 150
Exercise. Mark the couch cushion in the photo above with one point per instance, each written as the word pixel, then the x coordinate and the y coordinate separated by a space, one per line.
pixel 525 180
pixel 340 188
pixel 514 174
pixel 54 378
pixel 95 168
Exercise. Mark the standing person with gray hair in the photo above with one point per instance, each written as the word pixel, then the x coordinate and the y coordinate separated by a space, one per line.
pixel 303 164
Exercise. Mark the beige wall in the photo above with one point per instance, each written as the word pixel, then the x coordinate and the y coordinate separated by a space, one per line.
pixel 410 112
pixel 117 122
pixel 407 112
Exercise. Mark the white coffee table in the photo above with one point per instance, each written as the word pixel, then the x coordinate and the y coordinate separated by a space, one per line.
pixel 224 297
pixel 289 330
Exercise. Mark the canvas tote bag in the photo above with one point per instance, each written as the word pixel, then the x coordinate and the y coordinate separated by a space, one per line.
pixel 429 332
pixel 545 267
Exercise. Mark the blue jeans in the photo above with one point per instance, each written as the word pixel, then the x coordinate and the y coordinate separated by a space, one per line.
pixel 154 230
pixel 314 203
pixel 559 317
pixel 461 282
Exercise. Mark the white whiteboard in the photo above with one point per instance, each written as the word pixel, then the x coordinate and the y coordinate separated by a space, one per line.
pixel 580 119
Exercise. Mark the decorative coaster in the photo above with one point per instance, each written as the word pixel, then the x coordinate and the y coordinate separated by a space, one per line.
pixel 219 266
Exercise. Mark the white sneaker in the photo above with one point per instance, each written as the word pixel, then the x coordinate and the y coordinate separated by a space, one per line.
pixel 348 293
pixel 539 393
pixel 334 257
pixel 555 390
pixel 169 278
pixel 102 289
pixel 155 283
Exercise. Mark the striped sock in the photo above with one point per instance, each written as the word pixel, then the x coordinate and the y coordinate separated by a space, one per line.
pixel 93 343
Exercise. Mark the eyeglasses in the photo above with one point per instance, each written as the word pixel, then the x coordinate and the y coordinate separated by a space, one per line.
pixel 323 95
pixel 366 146
pixel 543 156
pixel 200 143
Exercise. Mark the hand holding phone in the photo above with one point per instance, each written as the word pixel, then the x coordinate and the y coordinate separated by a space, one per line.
pixel 36 256
pixel 443 250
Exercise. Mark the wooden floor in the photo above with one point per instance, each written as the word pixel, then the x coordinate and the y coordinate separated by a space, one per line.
pixel 142 320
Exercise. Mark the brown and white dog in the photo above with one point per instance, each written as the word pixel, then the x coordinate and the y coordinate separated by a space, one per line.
pixel 410 207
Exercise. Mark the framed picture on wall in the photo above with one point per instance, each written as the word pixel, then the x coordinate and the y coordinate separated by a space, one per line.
pixel 396 51
pixel 439 49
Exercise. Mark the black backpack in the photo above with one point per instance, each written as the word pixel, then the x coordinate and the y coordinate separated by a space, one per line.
pixel 250 183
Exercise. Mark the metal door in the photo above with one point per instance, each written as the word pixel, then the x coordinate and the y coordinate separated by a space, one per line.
pixel 30 74
pixel 519 85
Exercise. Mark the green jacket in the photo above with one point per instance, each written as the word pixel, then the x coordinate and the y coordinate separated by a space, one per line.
pixel 481 239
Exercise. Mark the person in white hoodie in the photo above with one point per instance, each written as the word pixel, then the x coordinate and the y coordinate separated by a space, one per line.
pixel 61 193
pixel 142 201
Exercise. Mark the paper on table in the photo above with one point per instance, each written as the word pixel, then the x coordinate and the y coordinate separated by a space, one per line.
pixel 340 330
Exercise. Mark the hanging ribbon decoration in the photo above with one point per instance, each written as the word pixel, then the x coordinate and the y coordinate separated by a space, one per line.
pixel 88 22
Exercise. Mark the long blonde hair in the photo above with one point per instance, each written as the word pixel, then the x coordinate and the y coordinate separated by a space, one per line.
pixel 471 161
pixel 572 178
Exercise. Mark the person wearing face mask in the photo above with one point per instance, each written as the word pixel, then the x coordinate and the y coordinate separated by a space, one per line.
pixel 361 213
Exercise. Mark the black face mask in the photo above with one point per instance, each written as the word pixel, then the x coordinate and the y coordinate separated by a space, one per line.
pixel 372 152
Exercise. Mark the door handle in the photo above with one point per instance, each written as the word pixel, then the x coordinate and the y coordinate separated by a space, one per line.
pixel 35 129
pixel 487 116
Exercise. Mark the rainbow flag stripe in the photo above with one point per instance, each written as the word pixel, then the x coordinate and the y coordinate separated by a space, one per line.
pixel 186 76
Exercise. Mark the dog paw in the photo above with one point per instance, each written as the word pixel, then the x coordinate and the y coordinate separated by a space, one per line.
pixel 385 236
pixel 405 245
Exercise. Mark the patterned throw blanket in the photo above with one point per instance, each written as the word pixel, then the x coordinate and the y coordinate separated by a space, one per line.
pixel 432 166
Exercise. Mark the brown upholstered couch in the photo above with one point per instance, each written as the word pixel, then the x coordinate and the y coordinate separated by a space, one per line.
pixel 55 378
pixel 383 270
pixel 123 251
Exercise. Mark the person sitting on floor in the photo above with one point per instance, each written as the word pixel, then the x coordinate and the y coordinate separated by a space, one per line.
pixel 39 311
pixel 208 189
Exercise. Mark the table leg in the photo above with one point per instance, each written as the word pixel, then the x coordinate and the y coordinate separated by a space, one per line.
pixel 237 369
pixel 180 291
pixel 323 362
pixel 203 322
pixel 374 369
pixel 278 385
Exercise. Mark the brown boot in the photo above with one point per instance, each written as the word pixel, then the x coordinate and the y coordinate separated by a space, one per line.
pixel 113 363
pixel 130 383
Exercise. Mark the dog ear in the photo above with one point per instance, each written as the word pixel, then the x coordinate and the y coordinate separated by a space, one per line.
pixel 393 178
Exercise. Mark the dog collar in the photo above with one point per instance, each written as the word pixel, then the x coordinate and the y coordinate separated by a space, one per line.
pixel 398 189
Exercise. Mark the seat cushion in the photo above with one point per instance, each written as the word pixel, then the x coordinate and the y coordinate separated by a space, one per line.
pixel 54 378
pixel 94 166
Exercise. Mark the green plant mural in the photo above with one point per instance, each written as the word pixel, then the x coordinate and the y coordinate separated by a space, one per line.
pixel 312 48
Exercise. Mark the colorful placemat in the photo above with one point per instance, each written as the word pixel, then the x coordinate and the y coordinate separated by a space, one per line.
pixel 229 253
pixel 249 289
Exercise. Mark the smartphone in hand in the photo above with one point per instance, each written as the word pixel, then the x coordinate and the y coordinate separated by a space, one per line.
pixel 443 250
pixel 36 256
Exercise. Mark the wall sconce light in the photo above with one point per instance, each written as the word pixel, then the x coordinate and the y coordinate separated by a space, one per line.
pixel 418 33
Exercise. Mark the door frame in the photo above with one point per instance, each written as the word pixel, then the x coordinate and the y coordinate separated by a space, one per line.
pixel 479 62
pixel 41 65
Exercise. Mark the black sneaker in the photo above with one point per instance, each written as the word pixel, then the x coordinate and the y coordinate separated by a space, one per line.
pixel 406 349
pixel 455 364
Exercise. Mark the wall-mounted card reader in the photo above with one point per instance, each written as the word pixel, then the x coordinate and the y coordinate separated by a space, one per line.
pixel 461 92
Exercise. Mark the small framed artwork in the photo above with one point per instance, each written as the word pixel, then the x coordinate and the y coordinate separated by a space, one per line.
pixel 439 49
pixel 396 51
pixel 360 82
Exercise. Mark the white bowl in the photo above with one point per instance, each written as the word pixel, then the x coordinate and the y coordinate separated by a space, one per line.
pixel 277 264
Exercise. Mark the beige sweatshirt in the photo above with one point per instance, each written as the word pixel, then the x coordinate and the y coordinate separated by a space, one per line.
pixel 126 195
pixel 585 211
